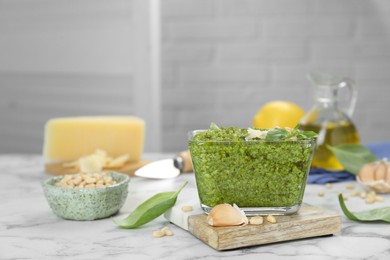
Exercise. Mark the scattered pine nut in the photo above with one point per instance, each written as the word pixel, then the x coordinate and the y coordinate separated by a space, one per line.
pixel 271 219
pixel 369 197
pixel 258 220
pixel 165 231
pixel 186 208
pixel 158 233
pixel 350 186
pixel 321 194
pixel 370 200
pixel 328 185
pixel 379 199
pixel 355 193
pixel 168 232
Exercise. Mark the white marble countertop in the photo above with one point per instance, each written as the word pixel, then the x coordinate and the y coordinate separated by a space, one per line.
pixel 29 229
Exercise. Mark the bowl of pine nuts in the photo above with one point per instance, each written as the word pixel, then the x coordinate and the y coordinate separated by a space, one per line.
pixel 86 196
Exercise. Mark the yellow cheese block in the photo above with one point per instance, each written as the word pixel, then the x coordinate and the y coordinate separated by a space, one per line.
pixel 70 138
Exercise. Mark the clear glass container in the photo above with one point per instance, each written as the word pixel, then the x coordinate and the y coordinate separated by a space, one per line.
pixel 261 177
pixel 330 117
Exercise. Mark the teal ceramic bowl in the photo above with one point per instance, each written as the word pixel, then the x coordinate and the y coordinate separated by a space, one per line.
pixel 87 203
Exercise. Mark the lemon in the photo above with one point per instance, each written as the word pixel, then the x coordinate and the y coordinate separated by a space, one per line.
pixel 278 113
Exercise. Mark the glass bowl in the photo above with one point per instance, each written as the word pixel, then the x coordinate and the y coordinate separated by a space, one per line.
pixel 261 177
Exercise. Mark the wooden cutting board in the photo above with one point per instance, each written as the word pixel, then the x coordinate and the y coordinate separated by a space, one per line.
pixel 309 221
pixel 57 168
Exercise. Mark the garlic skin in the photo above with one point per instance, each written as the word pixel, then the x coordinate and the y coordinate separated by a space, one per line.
pixel 375 176
pixel 224 215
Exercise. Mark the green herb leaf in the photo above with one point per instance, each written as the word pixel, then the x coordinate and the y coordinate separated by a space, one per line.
pixel 299 134
pixel 352 156
pixel 378 214
pixel 214 126
pixel 277 134
pixel 306 134
pixel 150 209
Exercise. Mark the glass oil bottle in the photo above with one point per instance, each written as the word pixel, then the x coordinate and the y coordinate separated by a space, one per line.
pixel 326 117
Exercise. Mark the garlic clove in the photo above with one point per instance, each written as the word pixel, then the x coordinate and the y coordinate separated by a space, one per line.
pixel 381 171
pixel 367 172
pixel 223 215
pixel 375 176
pixel 246 221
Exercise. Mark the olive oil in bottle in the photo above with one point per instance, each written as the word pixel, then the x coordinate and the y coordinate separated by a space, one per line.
pixel 334 133
pixel 329 120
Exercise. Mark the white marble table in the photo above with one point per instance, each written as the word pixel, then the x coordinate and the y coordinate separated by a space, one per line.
pixel 29 229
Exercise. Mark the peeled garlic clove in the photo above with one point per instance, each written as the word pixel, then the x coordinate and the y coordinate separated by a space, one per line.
pixel 223 215
pixel 388 175
pixel 367 172
pixel 375 176
pixel 381 171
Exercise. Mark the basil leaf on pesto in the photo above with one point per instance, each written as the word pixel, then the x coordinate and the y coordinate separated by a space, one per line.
pixel 378 214
pixel 231 133
pixel 214 126
pixel 150 209
pixel 277 134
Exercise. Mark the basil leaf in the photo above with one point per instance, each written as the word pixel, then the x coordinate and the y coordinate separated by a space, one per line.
pixel 214 126
pixel 277 134
pixel 378 214
pixel 352 156
pixel 150 209
pixel 306 135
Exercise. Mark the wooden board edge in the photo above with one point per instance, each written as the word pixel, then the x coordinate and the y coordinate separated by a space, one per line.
pixel 311 230
pixel 57 168
pixel 250 235
pixel 210 237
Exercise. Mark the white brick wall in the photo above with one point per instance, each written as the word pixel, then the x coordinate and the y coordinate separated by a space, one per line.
pixel 223 59
pixel 71 58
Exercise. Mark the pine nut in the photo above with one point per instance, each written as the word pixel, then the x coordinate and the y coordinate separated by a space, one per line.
pixel 370 200
pixel 271 219
pixel 186 208
pixel 379 199
pixel 167 231
pixel 90 180
pixel 85 180
pixel 328 185
pixel 158 233
pixel 355 193
pixel 258 220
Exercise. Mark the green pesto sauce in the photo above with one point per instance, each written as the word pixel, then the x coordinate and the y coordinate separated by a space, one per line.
pixel 256 173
